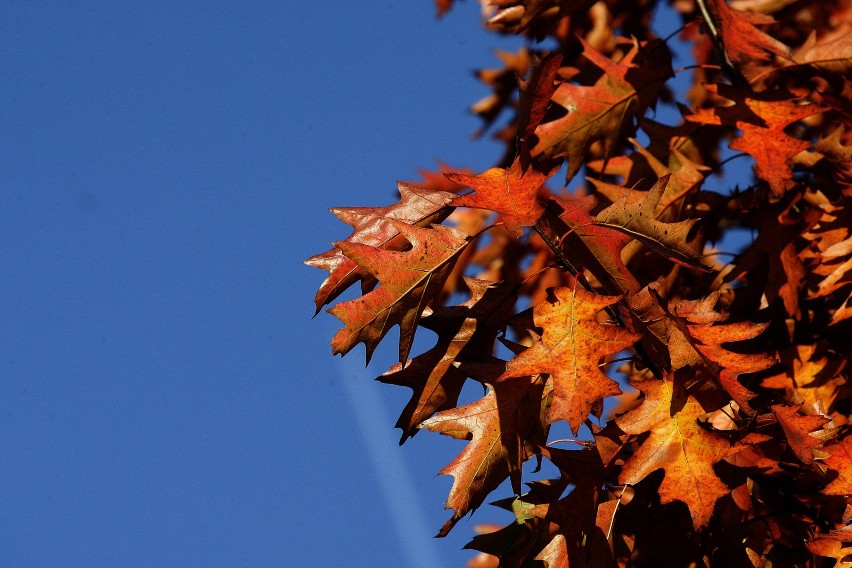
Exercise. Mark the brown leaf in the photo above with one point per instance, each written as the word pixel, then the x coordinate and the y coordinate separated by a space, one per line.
pixel 834 544
pixel 686 175
pixel 569 350
pixel 409 280
pixel 664 339
pixel 832 54
pixel 535 93
pixel 465 333
pixel 555 554
pixel 774 257
pixel 433 377
pixel 840 461
pixel 837 548
pixel 634 214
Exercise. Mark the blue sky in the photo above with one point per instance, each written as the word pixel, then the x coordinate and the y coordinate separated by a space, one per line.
pixel 165 397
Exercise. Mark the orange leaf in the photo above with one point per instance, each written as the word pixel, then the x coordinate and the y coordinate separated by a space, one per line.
pixel 797 428
pixel 679 446
pixel 710 338
pixel 555 554
pixel 569 350
pixel 840 460
pixel 835 544
pixel 512 193
pixel 762 121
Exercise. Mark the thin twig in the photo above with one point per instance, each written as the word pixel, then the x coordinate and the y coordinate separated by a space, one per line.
pixel 717 43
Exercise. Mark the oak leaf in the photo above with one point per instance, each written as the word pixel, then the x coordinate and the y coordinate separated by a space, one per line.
pixel 555 554
pixel 666 341
pixel 832 54
pixel 535 93
pixel 510 192
pixel 569 350
pixel 577 516
pixel 374 226
pixel 435 377
pixel 773 259
pixel 497 426
pixel 762 120
pixel 408 281
pixel 686 175
pixel 710 336
pixel 836 544
pixel 605 110
pixel 742 40
pixel 635 214
pixel 679 446
pixel 797 428
pixel 840 461
pixel 815 376
pixel 571 228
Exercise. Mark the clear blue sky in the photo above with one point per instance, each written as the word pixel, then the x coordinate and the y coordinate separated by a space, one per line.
pixel 165 397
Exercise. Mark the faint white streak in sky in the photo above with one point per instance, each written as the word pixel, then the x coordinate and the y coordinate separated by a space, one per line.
pixel 397 483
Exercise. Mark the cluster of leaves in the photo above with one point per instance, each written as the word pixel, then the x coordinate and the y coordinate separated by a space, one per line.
pixel 725 439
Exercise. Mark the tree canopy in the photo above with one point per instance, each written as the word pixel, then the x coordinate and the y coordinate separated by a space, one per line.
pixel 580 281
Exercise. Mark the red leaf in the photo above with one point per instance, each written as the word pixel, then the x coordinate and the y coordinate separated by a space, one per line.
pixel 435 377
pixel 743 41
pixel 512 193
pixel 605 110
pixel 374 226
pixel 797 428
pixel 535 93
pixel 497 426
pixel 409 280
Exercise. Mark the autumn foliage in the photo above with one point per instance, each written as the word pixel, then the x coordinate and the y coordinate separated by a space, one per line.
pixel 590 282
